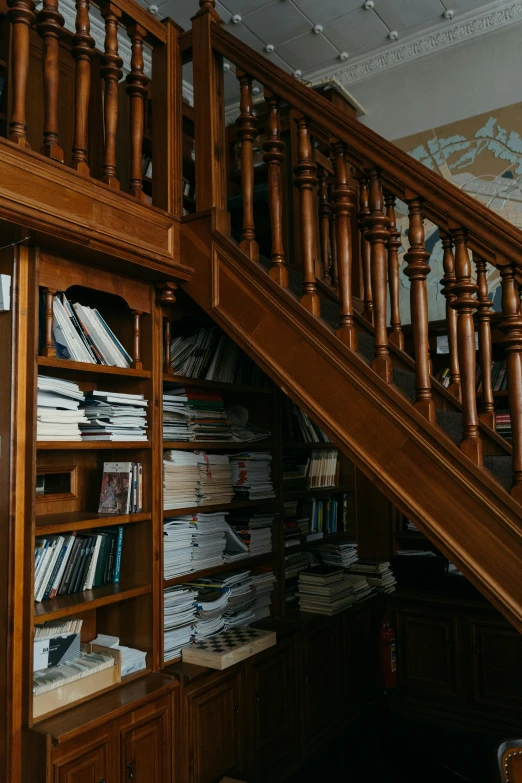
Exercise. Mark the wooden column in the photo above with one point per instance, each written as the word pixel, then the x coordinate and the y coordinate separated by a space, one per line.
pixel 364 211
pixel 136 340
pixel 417 270
pixel 465 303
pixel 448 281
pixel 111 72
pixel 377 235
pixel 333 238
pixel 137 91
pixel 487 404
pixel 209 116
pixel 246 133
pixel 83 53
pixel 324 223
pixel 21 16
pixel 50 27
pixel 273 157
pixel 49 349
pixel 512 343
pixel 305 181
pixel 343 204
pixel 167 298
pixel 396 337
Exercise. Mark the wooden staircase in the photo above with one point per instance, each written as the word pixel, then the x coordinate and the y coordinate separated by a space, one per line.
pixel 433 451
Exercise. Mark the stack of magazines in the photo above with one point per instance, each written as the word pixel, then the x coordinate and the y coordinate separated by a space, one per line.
pixel 211 355
pixel 196 415
pixel 57 415
pixel 255 531
pixel 251 475
pixel 179 612
pixel 81 334
pixel 264 580
pixel 114 416
pixel 210 609
pixel 195 478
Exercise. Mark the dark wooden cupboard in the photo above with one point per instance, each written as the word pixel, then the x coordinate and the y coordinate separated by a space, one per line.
pixel 87 760
pixel 145 744
pixel 496 664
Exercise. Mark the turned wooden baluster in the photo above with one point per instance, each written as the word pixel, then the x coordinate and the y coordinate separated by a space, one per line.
pixel 167 339
pixel 465 303
pixel 167 298
pixel 448 281
pixel 377 235
pixel 137 91
pixel 136 340
pixel 417 270
pixel 247 132
pixel 111 72
pixel 512 342
pixel 305 181
pixel 324 223
pixel 333 238
pixel 396 337
pixel 273 157
pixel 49 349
pixel 83 53
pixel 343 204
pixel 21 16
pixel 487 403
pixel 50 27
pixel 364 211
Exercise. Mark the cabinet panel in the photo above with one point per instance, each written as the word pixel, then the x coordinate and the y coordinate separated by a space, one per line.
pixel 428 657
pixel 497 659
pixel 213 722
pixel 145 747
pixel 85 761
pixel 323 695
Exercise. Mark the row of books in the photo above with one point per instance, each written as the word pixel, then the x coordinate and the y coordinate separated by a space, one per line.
pixel 80 333
pixel 122 488
pixel 318 469
pixel 71 563
pixel 303 429
pixel 211 355
pixel 498 376
pixel 503 424
pixel 197 478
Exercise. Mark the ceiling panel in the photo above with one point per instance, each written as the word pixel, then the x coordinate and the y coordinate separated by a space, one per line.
pixel 324 12
pixel 307 52
pixel 402 14
pixel 357 31
pixel 244 6
pixel 278 22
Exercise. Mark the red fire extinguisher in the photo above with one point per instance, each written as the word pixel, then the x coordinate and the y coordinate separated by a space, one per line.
pixel 388 654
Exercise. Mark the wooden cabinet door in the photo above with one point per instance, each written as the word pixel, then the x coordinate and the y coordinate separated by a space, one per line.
pixel 146 745
pixel 88 760
pixel 428 655
pixel 212 717
pixel 496 667
pixel 270 699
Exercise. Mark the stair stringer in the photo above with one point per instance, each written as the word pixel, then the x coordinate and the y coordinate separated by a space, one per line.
pixel 460 507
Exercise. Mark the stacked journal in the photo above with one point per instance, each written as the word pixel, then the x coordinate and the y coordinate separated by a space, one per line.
pixel 251 475
pixel 264 580
pixel 195 478
pixel 211 355
pixel 196 415
pixel 179 612
pixel 210 608
pixel 255 531
pixel 114 416
pixel 340 555
pixel 324 590
pixel 378 574
pixel 58 416
pixel 362 589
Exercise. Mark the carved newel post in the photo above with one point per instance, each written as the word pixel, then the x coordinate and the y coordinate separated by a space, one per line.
pixel 167 298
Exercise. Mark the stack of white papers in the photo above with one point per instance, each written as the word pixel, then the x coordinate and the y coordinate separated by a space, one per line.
pixel 131 660
pixel 211 605
pixel 179 611
pixel 251 475
pixel 175 417
pixel 177 547
pixel 114 416
pixel 196 478
pixel 58 415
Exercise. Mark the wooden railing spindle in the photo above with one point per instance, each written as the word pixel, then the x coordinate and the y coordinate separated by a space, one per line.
pixel 343 205
pixel 51 29
pixel 137 91
pixel 111 72
pixel 137 364
pixel 364 211
pixel 273 157
pixel 487 404
pixel 305 181
pixel 49 349
pixel 417 270
pixel 465 303
pixel 333 238
pixel 324 223
pixel 396 336
pixel 512 343
pixel 21 16
pixel 83 53
pixel 448 281
pixel 247 132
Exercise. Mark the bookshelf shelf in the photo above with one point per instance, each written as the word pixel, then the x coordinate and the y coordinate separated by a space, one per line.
pixel 83 520
pixel 67 605
pixel 85 445
pixel 260 445
pixel 216 385
pixel 247 563
pixel 176 512
pixel 320 491
pixel 305 446
pixel 91 369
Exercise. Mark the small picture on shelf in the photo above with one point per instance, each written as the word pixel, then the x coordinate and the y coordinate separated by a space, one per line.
pixel 121 491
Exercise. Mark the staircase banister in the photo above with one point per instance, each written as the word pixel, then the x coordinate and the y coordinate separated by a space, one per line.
pixel 134 12
pixel 485 228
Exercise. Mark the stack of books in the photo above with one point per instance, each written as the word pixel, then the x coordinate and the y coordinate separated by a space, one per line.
pixel 195 478
pixel 294 472
pixel 242 599
pixel 114 416
pixel 296 524
pixel 211 355
pixel 175 417
pixel 303 428
pixel 202 413
pixel 251 475
pixel 193 543
pixel 294 564
pixel 339 555
pixel 378 574
pixel 70 563
pixel 328 515
pixel 210 608
pixel 324 590
pixel 177 547
pixel 179 613
pixel 57 415
pixel 264 581
pixel 122 488
pixel 81 334
pixel 319 469
pixel 503 424
pixel 255 531
pixel 362 589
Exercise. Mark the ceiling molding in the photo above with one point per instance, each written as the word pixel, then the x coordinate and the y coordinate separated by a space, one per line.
pixel 469 27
